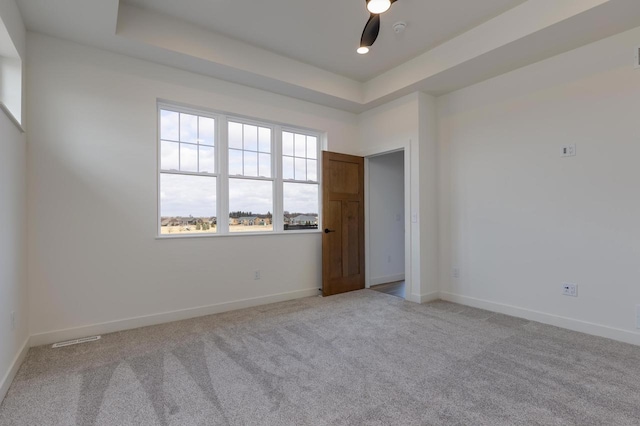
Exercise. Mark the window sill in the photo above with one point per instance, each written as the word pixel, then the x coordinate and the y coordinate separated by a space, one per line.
pixel 11 117
pixel 239 234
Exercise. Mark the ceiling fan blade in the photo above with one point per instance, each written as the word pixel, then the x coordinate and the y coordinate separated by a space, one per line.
pixel 371 30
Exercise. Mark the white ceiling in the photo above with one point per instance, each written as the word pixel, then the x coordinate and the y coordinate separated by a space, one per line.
pixel 326 33
pixel 299 49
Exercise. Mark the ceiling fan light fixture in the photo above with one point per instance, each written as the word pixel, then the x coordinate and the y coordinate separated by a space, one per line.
pixel 363 50
pixel 378 6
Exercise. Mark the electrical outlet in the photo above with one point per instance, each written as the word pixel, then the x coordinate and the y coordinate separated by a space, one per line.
pixel 388 259
pixel 13 320
pixel 570 289
pixel 455 272
pixel 568 150
pixel 256 275
pixel 638 316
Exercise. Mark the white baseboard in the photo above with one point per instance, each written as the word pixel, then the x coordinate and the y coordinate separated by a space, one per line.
pixel 13 369
pixel 423 298
pixel 154 319
pixel 546 318
pixel 387 279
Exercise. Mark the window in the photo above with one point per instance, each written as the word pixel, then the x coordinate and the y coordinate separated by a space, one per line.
pixel 11 73
pixel 258 176
pixel 188 180
pixel 300 180
pixel 250 179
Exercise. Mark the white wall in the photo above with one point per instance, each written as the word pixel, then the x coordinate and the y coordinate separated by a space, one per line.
pixel 518 220
pixel 429 200
pixel 13 279
pixel 410 123
pixel 14 26
pixel 13 211
pixel 386 218
pixel 93 256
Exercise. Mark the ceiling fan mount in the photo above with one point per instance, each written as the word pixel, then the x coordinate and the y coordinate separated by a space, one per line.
pixel 372 27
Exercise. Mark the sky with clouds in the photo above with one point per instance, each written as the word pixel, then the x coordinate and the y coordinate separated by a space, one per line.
pixel 188 145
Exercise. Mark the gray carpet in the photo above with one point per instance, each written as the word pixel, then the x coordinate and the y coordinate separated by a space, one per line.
pixel 357 358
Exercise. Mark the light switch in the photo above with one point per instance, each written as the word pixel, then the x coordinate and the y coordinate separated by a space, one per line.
pixel 568 150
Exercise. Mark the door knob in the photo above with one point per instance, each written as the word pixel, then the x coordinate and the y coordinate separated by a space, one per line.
pixel 327 230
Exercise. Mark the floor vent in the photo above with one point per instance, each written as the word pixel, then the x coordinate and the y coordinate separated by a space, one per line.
pixel 76 341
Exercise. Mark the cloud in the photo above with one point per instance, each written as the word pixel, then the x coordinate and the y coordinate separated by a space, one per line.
pixel 300 197
pixel 248 195
pixel 182 195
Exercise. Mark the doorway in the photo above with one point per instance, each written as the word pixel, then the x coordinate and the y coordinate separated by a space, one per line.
pixel 386 223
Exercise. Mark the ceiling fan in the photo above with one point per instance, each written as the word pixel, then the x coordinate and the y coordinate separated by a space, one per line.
pixel 372 27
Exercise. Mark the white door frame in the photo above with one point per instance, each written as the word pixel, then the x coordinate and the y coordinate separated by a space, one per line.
pixel 406 148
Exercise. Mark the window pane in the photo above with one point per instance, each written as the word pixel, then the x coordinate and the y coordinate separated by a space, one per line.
pixel 188 128
pixel 301 150
pixel 250 205
pixel 301 169
pixel 188 157
pixel 264 136
pixel 250 137
pixel 312 147
pixel 169 155
pixel 235 135
pixel 207 159
pixel 169 125
pixel 250 163
pixel 287 143
pixel 287 168
pixel 265 165
pixel 187 204
pixel 235 162
pixel 312 172
pixel 206 131
pixel 300 206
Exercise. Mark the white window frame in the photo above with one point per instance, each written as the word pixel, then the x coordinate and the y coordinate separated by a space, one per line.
pixel 221 147
pixel 305 182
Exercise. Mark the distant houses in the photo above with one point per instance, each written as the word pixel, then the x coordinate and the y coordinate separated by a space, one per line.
pixel 300 221
pixel 188 221
pixel 170 221
pixel 244 220
pixel 304 220
pixel 250 221
pixel 291 221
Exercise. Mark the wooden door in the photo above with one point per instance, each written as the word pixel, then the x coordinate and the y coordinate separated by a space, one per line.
pixel 343 223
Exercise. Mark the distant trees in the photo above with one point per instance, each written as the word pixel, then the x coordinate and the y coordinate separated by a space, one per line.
pixel 238 214
pixel 287 214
